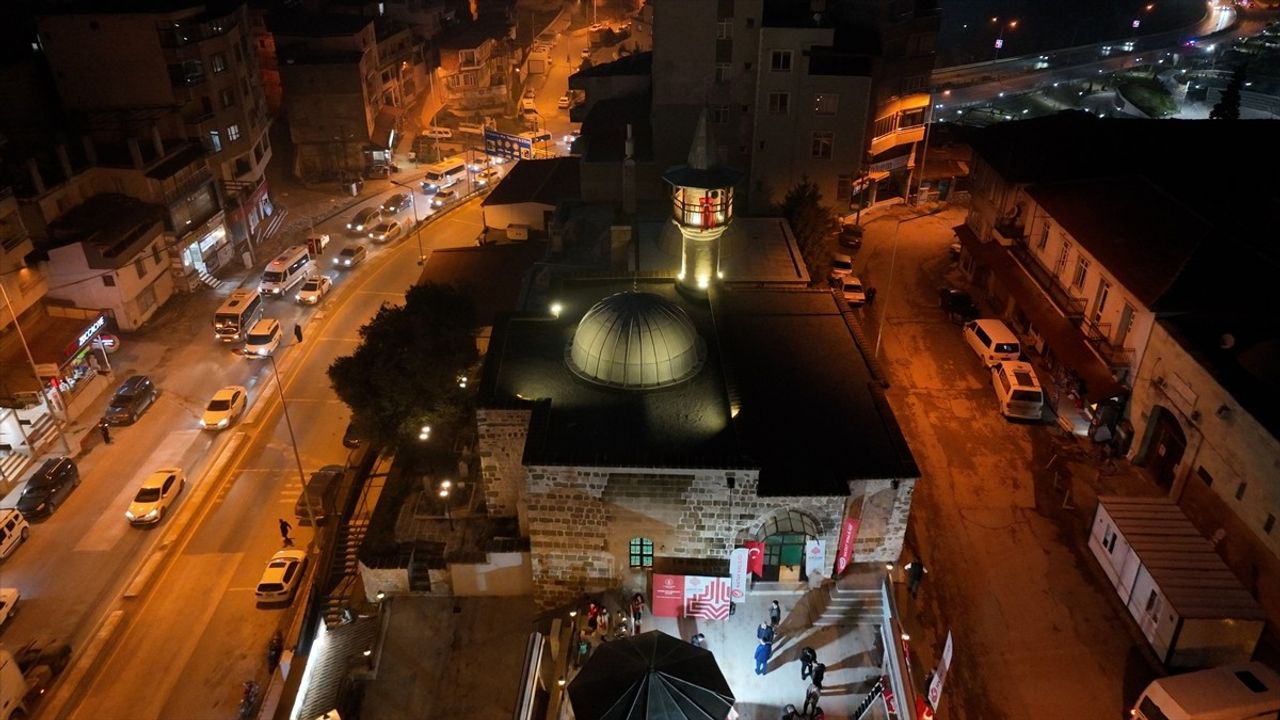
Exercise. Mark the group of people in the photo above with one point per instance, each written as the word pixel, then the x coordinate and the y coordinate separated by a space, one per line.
pixel 814 672
pixel 599 620
pixel 766 634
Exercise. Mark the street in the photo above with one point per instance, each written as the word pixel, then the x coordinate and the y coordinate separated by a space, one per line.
pixel 184 644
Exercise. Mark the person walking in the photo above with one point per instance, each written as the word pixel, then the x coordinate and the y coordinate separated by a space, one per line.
pixel 104 427
pixel 819 671
pixel 915 573
pixel 807 658
pixel 584 649
pixel 764 633
pixel 602 621
pixel 763 651
pixel 811 698
pixel 637 612
pixel 775 614
pixel 698 640
pixel 285 527
pixel 593 616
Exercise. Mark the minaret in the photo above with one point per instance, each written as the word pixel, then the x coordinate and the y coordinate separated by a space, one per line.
pixel 702 207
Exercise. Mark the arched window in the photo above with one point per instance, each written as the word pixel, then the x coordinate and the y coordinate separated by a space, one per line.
pixel 641 553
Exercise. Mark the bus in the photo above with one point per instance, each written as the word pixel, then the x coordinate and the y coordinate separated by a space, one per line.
pixel 241 310
pixel 444 174
pixel 287 270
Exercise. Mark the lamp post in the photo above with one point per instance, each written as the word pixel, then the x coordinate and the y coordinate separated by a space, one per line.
pixel 893 258
pixel 293 440
pixel 443 490
pixel 417 226
pixel 1003 25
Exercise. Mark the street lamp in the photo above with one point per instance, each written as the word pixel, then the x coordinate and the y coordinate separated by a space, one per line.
pixel 893 258
pixel 417 224
pixel 1003 25
pixel 445 486
pixel 293 440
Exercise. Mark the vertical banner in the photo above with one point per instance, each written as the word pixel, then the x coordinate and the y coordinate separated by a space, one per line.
pixel 755 557
pixel 738 560
pixel 844 550
pixel 940 675
pixel 815 557
pixel 668 596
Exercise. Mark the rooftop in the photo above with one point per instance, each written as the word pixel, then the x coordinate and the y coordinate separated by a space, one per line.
pixel 473 35
pixel 112 227
pixel 605 129
pixel 637 64
pixel 752 250
pixel 492 275
pixel 539 181
pixel 316 24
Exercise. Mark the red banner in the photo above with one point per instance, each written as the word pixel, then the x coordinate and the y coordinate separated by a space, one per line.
pixel 668 595
pixel 755 557
pixel 848 535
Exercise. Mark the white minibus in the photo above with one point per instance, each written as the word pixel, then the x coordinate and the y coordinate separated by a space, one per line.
pixel 290 268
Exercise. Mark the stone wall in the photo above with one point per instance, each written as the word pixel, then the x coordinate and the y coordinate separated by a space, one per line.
pixel 500 442
pixel 581 522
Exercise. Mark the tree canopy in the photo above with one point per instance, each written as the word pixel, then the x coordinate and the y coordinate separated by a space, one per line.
pixel 1228 106
pixel 405 372
pixel 813 223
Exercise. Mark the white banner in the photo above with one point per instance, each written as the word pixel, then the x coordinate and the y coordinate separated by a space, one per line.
pixel 738 573
pixel 940 675
pixel 815 557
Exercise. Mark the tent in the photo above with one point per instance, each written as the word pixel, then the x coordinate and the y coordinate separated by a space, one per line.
pixel 652 676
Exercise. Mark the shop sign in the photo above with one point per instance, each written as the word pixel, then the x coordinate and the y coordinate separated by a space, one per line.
pixel 815 557
pixel 848 536
pixel 94 328
pixel 738 560
pixel 691 596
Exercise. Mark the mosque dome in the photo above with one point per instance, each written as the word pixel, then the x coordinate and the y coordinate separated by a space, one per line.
pixel 635 340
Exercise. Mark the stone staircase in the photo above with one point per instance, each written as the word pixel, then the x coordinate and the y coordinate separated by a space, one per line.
pixel 12 465
pixel 852 601
pixel 208 279
pixel 344 568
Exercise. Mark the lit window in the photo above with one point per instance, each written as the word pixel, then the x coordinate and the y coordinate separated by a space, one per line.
pixel 825 103
pixel 778 103
pixel 641 553
pixel 215 141
pixel 823 140
pixel 228 97
pixel 218 63
pixel 233 133
pixel 780 61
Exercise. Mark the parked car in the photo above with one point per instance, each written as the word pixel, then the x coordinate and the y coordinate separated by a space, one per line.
pixel 841 265
pixel 349 437
pixel 852 290
pixel 850 236
pixel 350 256
pixel 529 94
pixel 586 53
pixel 156 495
pixel 224 407
pixel 564 102
pixel 49 487
pixel 573 135
pixel 313 289
pixel 281 578
pixel 385 231
pixel 322 487
pixel 132 398
pixel 364 219
pixel 444 197
pixel 1017 390
pixel 396 203
pixel 263 339
pixel 957 304
pixel 992 340
pixel 14 531
pixel 9 598
pixel 439 133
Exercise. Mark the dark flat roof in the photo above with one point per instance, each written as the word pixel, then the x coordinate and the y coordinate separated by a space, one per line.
pixel 473 35
pixel 114 225
pixel 316 24
pixel 605 129
pixel 635 64
pixel 493 275
pixel 545 181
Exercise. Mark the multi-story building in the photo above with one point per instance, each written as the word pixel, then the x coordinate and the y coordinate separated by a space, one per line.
pixel 192 74
pixel 475 67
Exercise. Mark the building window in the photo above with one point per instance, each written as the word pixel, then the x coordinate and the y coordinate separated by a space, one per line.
pixel 109 280
pixel 1043 242
pixel 751 22
pixel 911 118
pixel 641 553
pixel 724 29
pixel 146 298
pixel 844 187
pixel 780 61
pixel 723 72
pixel 215 141
pixel 1082 273
pixel 140 265
pixel 155 254
pixel 1152 610
pixel 746 66
pixel 233 133
pixel 228 98
pixel 218 63
pixel 822 143
pixel 913 83
pixel 778 103
pixel 1240 490
pixel 720 114
pixel 1205 477
pixel 1109 540
pixel 825 103
pixel 1270 523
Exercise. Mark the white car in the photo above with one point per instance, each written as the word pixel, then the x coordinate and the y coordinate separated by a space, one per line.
pixel 263 339
pixel 563 102
pixel 314 288
pixel 350 256
pixel 841 265
pixel 442 198
pixel 385 231
pixel 586 52
pixel 851 288
pixel 155 496
pixel 224 407
pixel 8 603
pixel 486 176
pixel 281 578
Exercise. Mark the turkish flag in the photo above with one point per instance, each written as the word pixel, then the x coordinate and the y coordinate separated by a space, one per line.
pixel 755 557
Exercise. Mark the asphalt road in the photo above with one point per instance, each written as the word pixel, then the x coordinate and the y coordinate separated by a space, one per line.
pixel 182 645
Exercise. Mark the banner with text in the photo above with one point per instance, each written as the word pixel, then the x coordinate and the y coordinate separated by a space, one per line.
pixel 738 559
pixel 691 596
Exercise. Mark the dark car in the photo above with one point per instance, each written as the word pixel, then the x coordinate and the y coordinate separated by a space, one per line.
pixel 850 236
pixel 349 437
pixel 48 487
pixel 957 304
pixel 322 488
pixel 131 400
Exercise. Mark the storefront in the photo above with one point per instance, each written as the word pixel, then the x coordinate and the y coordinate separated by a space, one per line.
pixel 70 358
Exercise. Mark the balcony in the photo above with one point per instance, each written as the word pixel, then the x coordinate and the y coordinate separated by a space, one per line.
pixel 174 192
pixel 1007 233
pixel 1099 337
pixel 1069 305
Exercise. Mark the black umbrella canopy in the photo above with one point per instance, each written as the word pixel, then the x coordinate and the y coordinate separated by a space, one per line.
pixel 652 676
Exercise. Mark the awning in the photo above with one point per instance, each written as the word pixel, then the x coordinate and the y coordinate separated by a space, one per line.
pixel 53 340
pixel 1059 333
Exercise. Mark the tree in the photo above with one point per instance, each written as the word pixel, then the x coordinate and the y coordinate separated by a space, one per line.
pixel 405 372
pixel 1228 107
pixel 813 224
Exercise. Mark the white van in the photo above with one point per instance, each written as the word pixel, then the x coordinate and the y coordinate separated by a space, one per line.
pixel 288 269
pixel 14 531
pixel 444 174
pixel 992 340
pixel 1018 390
pixel 439 133
pixel 1230 692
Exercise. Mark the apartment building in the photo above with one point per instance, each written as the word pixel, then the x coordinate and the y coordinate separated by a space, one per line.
pixel 475 67
pixel 192 75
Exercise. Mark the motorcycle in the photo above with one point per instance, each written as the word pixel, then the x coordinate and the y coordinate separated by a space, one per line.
pixel 248 700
